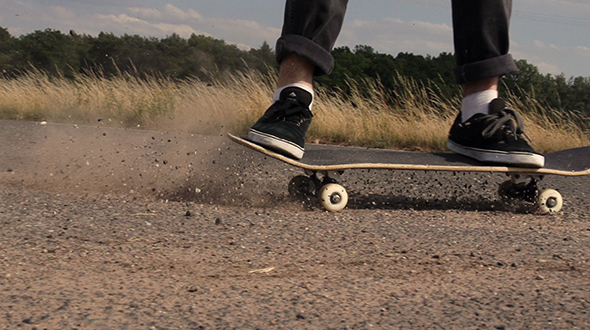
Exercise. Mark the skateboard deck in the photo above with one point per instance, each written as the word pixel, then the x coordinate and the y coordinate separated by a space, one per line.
pixel 330 161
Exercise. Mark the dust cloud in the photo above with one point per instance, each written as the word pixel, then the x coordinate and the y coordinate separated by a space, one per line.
pixel 177 166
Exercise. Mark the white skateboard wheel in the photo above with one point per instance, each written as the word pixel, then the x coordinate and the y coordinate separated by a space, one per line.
pixel 549 201
pixel 333 197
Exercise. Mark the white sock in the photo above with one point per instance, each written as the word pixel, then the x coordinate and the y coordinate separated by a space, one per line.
pixel 477 103
pixel 306 88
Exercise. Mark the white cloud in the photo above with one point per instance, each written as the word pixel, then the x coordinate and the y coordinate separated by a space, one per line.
pixel 147 13
pixel 180 29
pixel 554 59
pixel 244 30
pixel 121 19
pixel 169 13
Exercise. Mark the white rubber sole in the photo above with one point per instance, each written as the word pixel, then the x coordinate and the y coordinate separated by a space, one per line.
pixel 281 146
pixel 519 159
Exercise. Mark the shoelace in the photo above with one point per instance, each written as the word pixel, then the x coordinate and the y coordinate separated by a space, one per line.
pixel 287 110
pixel 504 119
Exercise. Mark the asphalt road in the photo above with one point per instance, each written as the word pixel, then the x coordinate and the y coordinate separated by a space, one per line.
pixel 106 228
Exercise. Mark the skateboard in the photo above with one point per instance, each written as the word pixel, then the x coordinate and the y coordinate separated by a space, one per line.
pixel 324 164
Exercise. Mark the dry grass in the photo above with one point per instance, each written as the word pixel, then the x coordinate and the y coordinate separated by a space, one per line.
pixel 418 121
pixel 128 101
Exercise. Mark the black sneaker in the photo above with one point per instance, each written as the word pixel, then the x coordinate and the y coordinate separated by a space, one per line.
pixel 283 126
pixel 497 138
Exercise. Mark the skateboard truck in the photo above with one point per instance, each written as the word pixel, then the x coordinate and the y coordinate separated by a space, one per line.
pixel 525 187
pixel 323 184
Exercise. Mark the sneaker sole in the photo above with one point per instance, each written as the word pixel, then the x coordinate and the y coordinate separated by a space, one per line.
pixel 275 144
pixel 521 159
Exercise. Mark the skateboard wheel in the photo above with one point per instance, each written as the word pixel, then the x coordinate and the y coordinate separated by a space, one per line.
pixel 333 197
pixel 301 186
pixel 549 201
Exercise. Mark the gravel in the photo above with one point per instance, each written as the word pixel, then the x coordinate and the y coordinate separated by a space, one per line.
pixel 104 228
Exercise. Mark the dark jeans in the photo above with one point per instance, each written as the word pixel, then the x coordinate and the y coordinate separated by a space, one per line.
pixel 480 35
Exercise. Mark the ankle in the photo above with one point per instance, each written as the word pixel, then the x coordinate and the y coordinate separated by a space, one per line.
pixel 477 103
pixel 304 87
pixel 295 69
pixel 480 86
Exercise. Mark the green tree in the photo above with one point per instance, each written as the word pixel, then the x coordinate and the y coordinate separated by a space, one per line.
pixel 104 52
pixel 556 92
pixel 50 51
pixel 7 51
pixel 262 58
pixel 364 62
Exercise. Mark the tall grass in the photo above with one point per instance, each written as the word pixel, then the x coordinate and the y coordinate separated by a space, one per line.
pixel 128 101
pixel 418 119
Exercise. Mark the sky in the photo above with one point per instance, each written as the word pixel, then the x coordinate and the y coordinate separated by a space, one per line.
pixel 553 35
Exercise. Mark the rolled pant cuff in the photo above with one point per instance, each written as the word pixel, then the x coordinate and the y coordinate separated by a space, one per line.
pixel 492 67
pixel 292 43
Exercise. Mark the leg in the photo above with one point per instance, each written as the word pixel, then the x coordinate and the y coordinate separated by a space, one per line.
pixel 309 32
pixel 480 30
pixel 470 88
pixel 481 38
pixel 295 69
pixel 485 129
pixel 310 29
